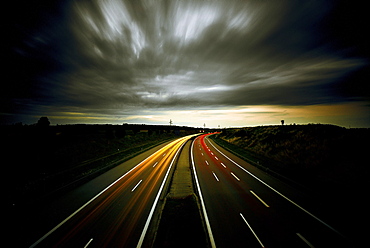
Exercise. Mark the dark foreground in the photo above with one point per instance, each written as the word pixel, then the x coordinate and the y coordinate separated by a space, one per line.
pixel 181 224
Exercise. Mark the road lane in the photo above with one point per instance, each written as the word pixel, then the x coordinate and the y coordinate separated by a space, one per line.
pixel 117 215
pixel 239 203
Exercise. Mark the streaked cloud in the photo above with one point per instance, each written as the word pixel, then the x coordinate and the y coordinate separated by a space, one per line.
pixel 117 58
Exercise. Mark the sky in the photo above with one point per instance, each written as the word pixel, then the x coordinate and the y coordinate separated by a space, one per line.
pixel 213 63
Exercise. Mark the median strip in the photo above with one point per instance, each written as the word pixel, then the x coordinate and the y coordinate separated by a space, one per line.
pixel 142 236
pixel 181 206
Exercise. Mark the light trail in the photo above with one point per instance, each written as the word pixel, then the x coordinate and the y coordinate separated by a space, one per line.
pixel 133 172
pixel 136 185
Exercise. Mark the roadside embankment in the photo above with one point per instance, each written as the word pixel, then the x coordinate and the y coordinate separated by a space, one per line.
pixel 181 221
pixel 43 161
pixel 323 158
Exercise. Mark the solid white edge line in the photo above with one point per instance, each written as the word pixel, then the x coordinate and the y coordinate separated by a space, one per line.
pixel 264 203
pixel 255 235
pixel 92 199
pixel 213 244
pixel 141 240
pixel 286 198
pixel 305 240
pixel 136 185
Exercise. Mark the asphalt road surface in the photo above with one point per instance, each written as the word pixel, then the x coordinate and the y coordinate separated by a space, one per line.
pixel 119 215
pixel 245 207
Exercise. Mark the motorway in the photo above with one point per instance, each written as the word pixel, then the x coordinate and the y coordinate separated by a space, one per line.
pixel 244 207
pixel 120 214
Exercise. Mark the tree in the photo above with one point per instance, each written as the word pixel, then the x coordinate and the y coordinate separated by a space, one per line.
pixel 282 122
pixel 43 122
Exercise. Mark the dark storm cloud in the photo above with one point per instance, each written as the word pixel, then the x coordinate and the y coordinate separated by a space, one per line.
pixel 120 56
